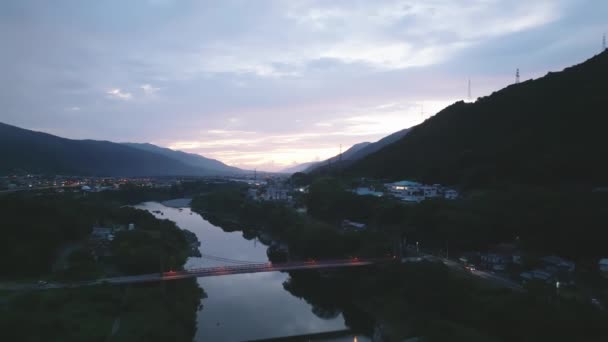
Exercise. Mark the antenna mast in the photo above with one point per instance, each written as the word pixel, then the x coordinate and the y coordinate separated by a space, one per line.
pixel 517 76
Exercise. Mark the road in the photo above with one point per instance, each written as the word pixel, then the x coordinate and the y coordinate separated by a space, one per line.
pixel 494 278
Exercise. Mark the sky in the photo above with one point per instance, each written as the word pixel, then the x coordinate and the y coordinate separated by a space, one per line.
pixel 268 84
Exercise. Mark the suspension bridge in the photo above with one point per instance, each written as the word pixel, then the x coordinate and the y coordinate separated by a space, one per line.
pixel 228 267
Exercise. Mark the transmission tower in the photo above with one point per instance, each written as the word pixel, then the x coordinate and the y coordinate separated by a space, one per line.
pixel 469 90
pixel 517 76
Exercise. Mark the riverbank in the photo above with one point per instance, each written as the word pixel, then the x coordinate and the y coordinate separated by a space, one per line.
pixel 150 312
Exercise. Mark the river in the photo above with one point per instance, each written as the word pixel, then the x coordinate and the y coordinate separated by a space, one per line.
pixel 245 306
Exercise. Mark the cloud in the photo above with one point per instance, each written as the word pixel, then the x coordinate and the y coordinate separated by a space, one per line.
pixel 148 89
pixel 268 83
pixel 116 93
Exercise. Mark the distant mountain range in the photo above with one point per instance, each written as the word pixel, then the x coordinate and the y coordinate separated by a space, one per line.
pixel 546 131
pixel 37 152
pixel 191 159
pixel 355 152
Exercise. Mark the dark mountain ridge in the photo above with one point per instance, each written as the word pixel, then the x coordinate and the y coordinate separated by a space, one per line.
pixel 546 131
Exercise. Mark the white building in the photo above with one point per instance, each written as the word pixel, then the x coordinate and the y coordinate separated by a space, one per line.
pixel 276 194
pixel 362 191
pixel 416 192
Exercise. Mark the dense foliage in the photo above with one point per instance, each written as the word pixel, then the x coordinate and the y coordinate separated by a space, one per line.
pixel 145 313
pixel 37 226
pixel 428 300
pixel 546 131
pixel 567 222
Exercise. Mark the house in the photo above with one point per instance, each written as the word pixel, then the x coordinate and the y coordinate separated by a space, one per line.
pixel 603 264
pixel 539 275
pixel 99 241
pixel 499 256
pixel 557 264
pixel 352 225
pixel 102 233
pixel 276 194
pixel 450 194
pixel 416 192
pixel 363 191
pixel 495 261
pixel 252 193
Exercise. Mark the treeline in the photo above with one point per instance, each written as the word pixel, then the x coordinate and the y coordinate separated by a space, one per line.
pixel 230 208
pixel 567 222
pixel 147 312
pixel 427 300
pixel 36 226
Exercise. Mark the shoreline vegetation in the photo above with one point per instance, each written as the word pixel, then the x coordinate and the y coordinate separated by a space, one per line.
pixel 146 312
pixel 404 300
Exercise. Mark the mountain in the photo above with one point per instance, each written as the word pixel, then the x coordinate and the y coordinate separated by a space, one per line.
pixel 38 152
pixel 298 167
pixel 546 131
pixel 356 152
pixel 373 147
pixel 188 158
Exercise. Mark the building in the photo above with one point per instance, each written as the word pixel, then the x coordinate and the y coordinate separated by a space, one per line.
pixel 100 240
pixel 363 191
pixel 538 275
pixel 102 233
pixel 495 261
pixel 352 225
pixel 603 265
pixel 276 194
pixel 450 194
pixel 416 192
pixel 556 264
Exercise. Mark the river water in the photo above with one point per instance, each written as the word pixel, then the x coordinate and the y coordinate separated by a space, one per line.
pixel 244 306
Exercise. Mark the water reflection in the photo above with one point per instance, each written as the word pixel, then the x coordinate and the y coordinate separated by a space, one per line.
pixel 247 306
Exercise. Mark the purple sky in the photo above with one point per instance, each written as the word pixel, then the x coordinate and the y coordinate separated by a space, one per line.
pixel 267 84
